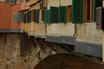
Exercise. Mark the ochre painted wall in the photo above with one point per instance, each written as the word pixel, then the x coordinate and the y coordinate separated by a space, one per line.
pixel 5 15
pixel 7 12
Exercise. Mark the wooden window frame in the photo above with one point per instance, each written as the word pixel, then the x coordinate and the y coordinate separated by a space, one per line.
pixel 87 11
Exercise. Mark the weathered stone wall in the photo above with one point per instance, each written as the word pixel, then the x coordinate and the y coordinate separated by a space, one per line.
pixel 17 52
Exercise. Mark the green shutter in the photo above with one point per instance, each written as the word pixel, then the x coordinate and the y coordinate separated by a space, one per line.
pixel 36 16
pixel 47 16
pixel 29 17
pixel 62 14
pixel 41 4
pixel 54 14
pixel 27 0
pixel 24 18
pixel 97 3
pixel 77 11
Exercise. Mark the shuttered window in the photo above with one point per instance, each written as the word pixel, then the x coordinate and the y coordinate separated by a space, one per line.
pixel 29 16
pixel 15 18
pixel 87 11
pixel 18 17
pixel 34 12
pixel 41 4
pixel 100 18
pixel 27 0
pixel 47 16
pixel 11 1
pixel 21 14
pixel 36 16
pixel 25 18
pixel 97 3
pixel 62 14
pixel 77 11
pixel 54 14
pixel 84 12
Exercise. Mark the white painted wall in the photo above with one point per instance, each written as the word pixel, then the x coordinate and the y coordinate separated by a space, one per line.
pixel 61 29
pixel 87 32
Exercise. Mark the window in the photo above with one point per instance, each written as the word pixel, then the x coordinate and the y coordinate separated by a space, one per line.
pixel 54 14
pixel 87 11
pixel 25 18
pixel 100 18
pixel 69 13
pixel 62 14
pixel 29 16
pixel 77 11
pixel 27 0
pixel 36 15
pixel 41 4
pixel 11 1
pixel 18 17
pixel 84 10
pixel 47 16
pixel 97 3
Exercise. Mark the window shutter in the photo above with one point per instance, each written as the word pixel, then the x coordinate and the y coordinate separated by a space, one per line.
pixel 97 3
pixel 14 18
pixel 24 18
pixel 18 17
pixel 77 11
pixel 100 18
pixel 21 16
pixel 47 16
pixel 54 14
pixel 36 16
pixel 27 0
pixel 62 14
pixel 29 17
pixel 41 4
